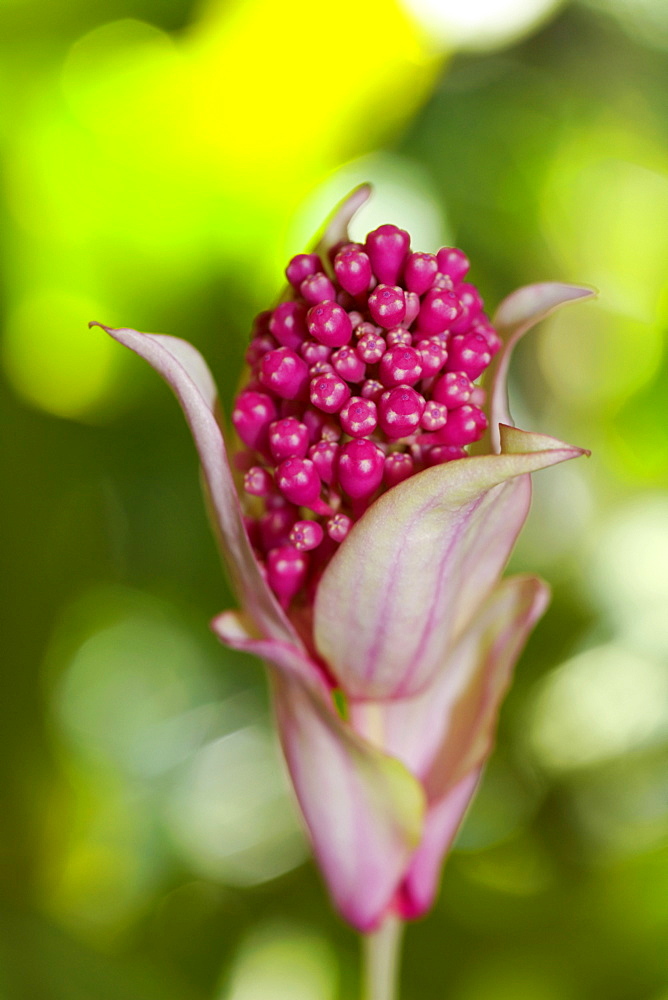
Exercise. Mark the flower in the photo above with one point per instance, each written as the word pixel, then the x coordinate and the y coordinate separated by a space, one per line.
pixel 388 632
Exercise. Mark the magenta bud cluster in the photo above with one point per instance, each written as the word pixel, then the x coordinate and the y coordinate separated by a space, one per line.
pixel 364 375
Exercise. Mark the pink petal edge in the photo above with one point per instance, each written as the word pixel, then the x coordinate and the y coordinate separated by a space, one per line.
pixel 336 229
pixel 484 660
pixel 418 890
pixel 363 809
pixel 188 375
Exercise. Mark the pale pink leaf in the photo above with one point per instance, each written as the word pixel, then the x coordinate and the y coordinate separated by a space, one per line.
pixel 239 631
pixel 485 657
pixel 483 662
pixel 516 315
pixel 415 567
pixel 186 372
pixel 363 809
pixel 416 730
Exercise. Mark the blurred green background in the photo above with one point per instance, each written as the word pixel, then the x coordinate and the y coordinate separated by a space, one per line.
pixel 162 160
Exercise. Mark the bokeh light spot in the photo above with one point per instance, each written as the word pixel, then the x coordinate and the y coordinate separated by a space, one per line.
pixel 106 866
pixel 283 963
pixel 54 361
pixel 604 702
pixel 135 694
pixel 593 356
pixel 479 24
pixel 303 82
pixel 231 813
pixel 621 250
pixel 629 571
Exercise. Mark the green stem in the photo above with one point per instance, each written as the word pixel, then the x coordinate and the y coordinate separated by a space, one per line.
pixel 381 960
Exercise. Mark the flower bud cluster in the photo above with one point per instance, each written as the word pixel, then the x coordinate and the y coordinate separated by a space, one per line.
pixel 363 376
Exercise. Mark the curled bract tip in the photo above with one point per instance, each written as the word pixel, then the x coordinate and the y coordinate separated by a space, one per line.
pixel 336 229
pixel 527 305
pixel 516 315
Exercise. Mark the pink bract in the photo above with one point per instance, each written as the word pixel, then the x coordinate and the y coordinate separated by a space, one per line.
pixel 377 573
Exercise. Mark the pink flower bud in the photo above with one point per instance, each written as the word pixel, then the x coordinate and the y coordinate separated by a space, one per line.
pixel 478 396
pixel 363 328
pixel 387 248
pixel 298 481
pixel 288 324
pixel 288 438
pixel 443 282
pixel 329 392
pixel 324 456
pixel 286 572
pixel 359 417
pixel 306 535
pixel 432 357
pixel 275 526
pixel 258 482
pixel 412 308
pixel 353 271
pixel 400 410
pixel 284 372
pixel 348 364
pixel 252 414
pixel 321 368
pixel 338 527
pixel 360 468
pixel 387 305
pixel 398 337
pixel 313 352
pixel 400 366
pixel 453 389
pixel 471 303
pixel 434 417
pixel 329 324
pixel 342 245
pixel 482 325
pixel 372 389
pixel 317 288
pixel 301 266
pixel 419 272
pixel 398 466
pixel 371 347
pixel 470 353
pixel 261 323
pixel 438 310
pixel 258 346
pixel 453 263
pixel 465 424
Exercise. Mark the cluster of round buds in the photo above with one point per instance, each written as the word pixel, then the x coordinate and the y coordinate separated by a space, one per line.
pixel 363 376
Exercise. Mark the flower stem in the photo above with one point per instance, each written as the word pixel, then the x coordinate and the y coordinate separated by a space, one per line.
pixel 381 960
